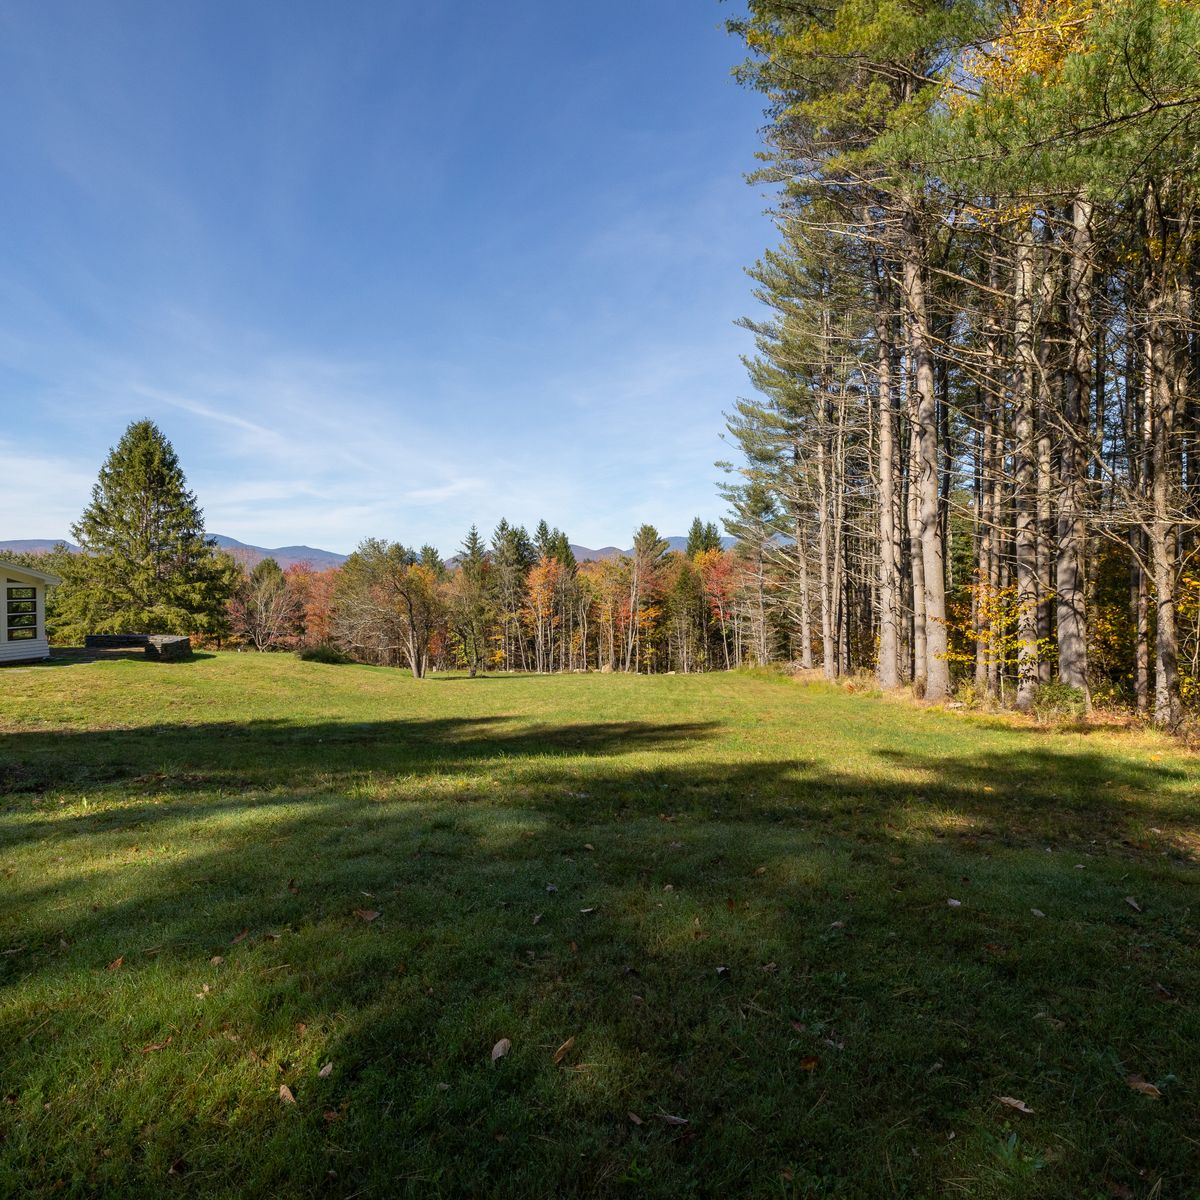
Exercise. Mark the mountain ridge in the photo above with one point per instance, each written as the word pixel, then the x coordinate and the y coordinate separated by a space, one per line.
pixel 318 559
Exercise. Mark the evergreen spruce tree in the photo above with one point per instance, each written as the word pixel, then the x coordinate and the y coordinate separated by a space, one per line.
pixel 147 566
pixel 701 537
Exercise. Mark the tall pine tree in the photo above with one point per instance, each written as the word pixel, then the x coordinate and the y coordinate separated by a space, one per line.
pixel 146 566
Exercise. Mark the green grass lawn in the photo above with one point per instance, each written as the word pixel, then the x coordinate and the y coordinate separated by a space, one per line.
pixel 732 892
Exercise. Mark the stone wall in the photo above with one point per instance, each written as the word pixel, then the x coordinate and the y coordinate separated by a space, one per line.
pixel 166 647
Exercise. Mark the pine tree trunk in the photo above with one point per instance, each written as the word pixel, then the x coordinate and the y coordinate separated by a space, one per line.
pixel 889 545
pixel 925 484
pixel 805 600
pixel 920 669
pixel 1070 585
pixel 1168 707
pixel 1025 494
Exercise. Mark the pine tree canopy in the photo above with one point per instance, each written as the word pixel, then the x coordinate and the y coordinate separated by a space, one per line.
pixel 146 566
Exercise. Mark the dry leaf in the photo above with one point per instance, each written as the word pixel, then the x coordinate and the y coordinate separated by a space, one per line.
pixel 156 1046
pixel 588 846
pixel 216 960
pixel 331 1116
pixel 285 1094
pixel 325 1071
pixel 1013 1102
pixel 115 965
pixel 667 1119
pixel 1133 904
pixel 366 914
pixel 564 1050
pixel 585 911
pixel 809 1062
pixel 1141 1084
pixel 635 1118
pixel 722 972
pixel 954 903
pixel 500 1049
pixel 537 917
pixel 760 870
pixel 293 888
pixel 1037 912
pixel 241 937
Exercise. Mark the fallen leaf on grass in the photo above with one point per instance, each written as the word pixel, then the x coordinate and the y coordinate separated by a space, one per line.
pixel 954 903
pixel 588 846
pixel 1013 1102
pixel 1037 912
pixel 667 1119
pixel 537 917
pixel 1139 1083
pixel 809 1062
pixel 500 1049
pixel 241 937
pixel 635 1118
pixel 285 1094
pixel 331 1116
pixel 216 960
pixel 115 965
pixel 293 888
pixel 585 911
pixel 156 1046
pixel 564 1050
pixel 366 914
pixel 1133 904
pixel 325 1071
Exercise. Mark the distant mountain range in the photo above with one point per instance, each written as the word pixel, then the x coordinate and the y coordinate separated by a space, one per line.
pixel 319 560
pixel 285 556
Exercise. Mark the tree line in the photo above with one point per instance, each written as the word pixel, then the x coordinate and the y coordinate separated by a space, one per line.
pixel 972 459
pixel 518 602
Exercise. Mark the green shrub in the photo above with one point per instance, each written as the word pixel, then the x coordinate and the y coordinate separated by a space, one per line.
pixel 1055 701
pixel 323 653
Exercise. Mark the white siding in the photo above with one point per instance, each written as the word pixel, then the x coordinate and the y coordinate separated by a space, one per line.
pixel 26 651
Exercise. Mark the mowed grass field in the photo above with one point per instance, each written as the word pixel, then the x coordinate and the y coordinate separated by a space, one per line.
pixel 710 915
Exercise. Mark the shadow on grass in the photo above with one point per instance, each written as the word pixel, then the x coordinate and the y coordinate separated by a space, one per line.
pixel 77 656
pixel 762 948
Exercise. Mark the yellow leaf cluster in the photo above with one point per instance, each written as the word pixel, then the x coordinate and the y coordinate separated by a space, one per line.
pixel 1033 42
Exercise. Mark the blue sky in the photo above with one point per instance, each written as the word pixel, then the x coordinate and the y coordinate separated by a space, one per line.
pixel 376 268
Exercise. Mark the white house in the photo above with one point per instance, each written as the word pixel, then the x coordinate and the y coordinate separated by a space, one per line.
pixel 23 623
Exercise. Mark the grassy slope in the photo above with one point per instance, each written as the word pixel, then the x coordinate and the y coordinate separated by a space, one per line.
pixel 806 840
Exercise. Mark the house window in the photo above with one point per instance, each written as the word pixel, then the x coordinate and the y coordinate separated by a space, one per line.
pixel 21 614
